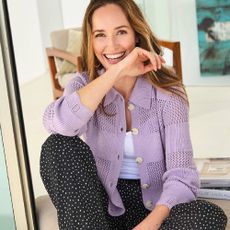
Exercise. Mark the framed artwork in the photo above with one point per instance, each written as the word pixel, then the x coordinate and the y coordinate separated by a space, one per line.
pixel 213 22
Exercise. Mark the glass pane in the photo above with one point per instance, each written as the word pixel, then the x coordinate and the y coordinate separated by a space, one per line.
pixel 6 211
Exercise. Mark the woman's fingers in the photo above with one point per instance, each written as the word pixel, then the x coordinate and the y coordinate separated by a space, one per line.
pixel 159 60
pixel 162 59
pixel 148 59
pixel 140 61
pixel 155 59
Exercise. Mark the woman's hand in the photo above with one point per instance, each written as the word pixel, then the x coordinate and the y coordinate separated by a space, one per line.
pixel 147 225
pixel 138 62
pixel 154 220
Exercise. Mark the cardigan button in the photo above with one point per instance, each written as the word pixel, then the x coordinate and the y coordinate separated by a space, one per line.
pixel 131 107
pixel 139 160
pixel 134 131
pixel 145 186
pixel 148 204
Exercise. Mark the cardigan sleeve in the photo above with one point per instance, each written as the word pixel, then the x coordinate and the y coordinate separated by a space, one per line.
pixel 181 179
pixel 67 115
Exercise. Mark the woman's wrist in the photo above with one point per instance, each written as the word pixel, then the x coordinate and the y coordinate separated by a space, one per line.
pixel 115 72
pixel 154 220
pixel 158 215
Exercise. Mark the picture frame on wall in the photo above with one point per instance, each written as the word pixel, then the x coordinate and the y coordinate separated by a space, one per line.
pixel 213 23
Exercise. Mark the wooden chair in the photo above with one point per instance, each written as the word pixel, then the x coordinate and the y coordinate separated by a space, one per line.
pixel 53 53
pixel 60 53
pixel 174 46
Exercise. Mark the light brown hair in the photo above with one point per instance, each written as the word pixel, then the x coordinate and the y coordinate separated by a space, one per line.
pixel 164 78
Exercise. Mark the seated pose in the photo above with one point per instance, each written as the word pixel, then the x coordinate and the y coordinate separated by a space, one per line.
pixel 134 169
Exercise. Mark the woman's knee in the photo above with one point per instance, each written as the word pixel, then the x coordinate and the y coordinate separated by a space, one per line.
pixel 66 158
pixel 58 149
pixel 213 213
pixel 57 143
pixel 199 214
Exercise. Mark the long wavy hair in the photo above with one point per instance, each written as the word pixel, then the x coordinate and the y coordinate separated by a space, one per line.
pixel 164 78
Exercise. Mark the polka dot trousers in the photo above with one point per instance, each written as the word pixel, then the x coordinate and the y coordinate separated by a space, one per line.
pixel 69 173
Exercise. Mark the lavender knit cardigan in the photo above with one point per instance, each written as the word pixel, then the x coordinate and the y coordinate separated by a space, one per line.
pixel 161 139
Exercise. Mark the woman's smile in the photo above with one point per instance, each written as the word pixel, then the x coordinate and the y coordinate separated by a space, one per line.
pixel 115 58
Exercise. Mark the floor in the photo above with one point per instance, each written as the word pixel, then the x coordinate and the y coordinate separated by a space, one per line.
pixel 209 121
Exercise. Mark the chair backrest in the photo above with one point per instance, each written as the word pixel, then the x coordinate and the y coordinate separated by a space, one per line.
pixel 60 40
pixel 174 46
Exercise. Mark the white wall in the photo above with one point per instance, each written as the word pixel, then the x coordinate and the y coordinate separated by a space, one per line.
pixel 31 24
pixel 158 15
pixel 73 12
pixel 26 39
pixel 50 19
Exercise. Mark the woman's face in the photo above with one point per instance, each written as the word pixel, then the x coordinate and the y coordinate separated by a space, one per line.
pixel 112 36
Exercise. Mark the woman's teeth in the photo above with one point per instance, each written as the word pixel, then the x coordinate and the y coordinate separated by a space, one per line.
pixel 114 56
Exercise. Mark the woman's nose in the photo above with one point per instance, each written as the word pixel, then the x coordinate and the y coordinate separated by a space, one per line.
pixel 112 41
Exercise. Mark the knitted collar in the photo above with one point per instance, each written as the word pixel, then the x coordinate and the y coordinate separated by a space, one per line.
pixel 142 94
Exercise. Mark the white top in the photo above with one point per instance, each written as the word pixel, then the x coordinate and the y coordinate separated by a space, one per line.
pixel 129 167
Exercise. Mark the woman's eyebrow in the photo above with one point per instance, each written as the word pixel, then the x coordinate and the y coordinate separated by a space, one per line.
pixel 98 31
pixel 123 26
pixel 116 28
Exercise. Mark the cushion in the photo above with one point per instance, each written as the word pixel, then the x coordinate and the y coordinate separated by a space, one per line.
pixel 65 78
pixel 59 40
pixel 46 213
pixel 74 46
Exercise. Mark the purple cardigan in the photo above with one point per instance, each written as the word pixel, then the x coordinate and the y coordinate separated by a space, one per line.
pixel 160 135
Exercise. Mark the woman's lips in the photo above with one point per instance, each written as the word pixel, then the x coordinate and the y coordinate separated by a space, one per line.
pixel 114 58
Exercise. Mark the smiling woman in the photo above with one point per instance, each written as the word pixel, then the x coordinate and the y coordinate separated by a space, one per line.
pixel 208 111
pixel 132 111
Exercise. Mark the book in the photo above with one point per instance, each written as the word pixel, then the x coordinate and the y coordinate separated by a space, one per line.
pixel 214 193
pixel 214 172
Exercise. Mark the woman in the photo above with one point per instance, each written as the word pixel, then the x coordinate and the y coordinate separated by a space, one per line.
pixel 135 169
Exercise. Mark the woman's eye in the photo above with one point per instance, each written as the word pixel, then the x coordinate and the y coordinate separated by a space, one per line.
pixel 99 35
pixel 122 32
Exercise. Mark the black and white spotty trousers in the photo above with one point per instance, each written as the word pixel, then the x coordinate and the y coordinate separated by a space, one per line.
pixel 68 171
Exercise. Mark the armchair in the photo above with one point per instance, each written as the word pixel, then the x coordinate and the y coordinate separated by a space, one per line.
pixel 63 58
pixel 63 52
